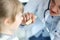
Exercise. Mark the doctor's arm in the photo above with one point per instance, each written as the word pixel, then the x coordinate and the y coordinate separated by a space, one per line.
pixel 31 6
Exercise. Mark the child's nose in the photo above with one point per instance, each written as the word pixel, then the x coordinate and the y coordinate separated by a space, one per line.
pixel 54 9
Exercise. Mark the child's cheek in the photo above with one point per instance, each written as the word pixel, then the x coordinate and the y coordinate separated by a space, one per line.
pixel 59 12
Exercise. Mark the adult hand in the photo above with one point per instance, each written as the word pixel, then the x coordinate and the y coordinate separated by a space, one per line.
pixel 28 18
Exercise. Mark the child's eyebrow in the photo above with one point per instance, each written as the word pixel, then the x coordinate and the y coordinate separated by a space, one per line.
pixel 53 1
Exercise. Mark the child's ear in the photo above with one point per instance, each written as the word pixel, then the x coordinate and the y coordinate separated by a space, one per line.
pixel 7 21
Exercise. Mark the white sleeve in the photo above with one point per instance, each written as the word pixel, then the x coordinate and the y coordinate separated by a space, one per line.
pixel 31 6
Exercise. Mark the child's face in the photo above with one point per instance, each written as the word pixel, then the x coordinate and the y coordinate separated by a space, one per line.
pixel 55 7
pixel 17 22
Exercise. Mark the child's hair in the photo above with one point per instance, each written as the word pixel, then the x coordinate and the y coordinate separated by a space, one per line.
pixel 9 8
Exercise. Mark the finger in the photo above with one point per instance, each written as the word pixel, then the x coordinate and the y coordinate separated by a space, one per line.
pixel 30 15
pixel 27 16
pixel 33 18
pixel 24 19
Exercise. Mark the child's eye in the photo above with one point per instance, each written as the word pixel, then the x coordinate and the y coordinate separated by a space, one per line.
pixel 59 7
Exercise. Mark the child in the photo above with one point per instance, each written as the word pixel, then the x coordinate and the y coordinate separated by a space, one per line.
pixel 10 18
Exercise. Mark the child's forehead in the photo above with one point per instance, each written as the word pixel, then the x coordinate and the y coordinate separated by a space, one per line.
pixel 57 2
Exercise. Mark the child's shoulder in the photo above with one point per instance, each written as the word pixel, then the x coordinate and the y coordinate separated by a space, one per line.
pixel 7 37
